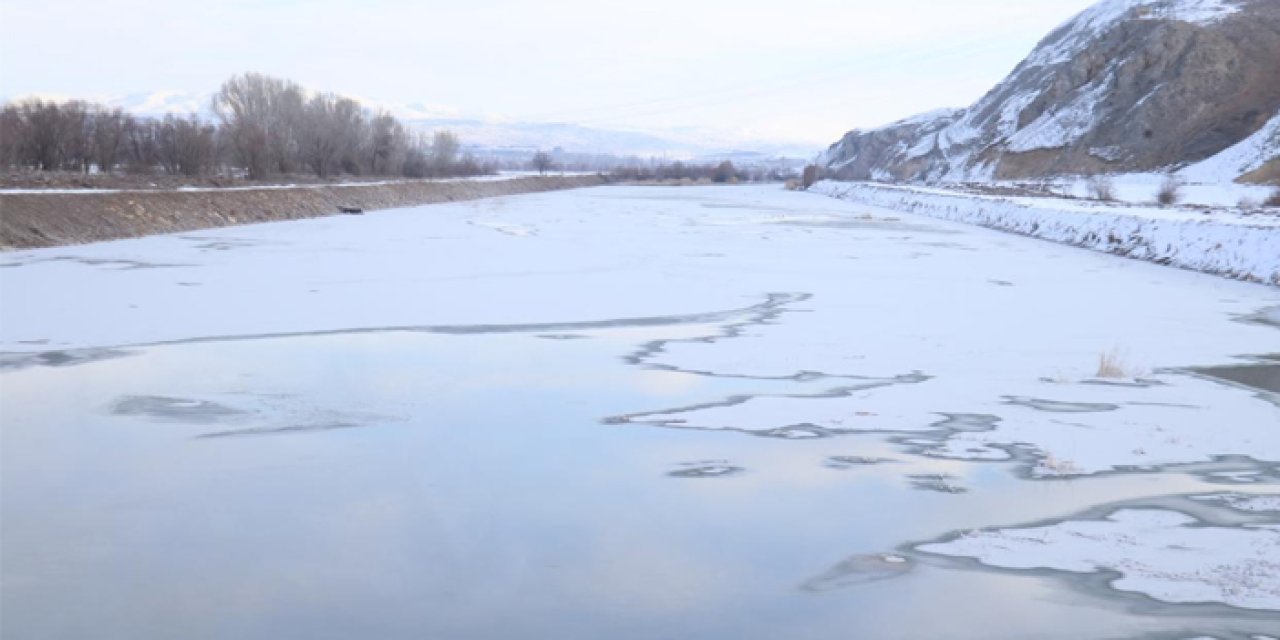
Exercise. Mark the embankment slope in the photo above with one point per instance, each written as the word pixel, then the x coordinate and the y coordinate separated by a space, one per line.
pixel 33 219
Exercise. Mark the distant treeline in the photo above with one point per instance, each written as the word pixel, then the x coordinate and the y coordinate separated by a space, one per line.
pixel 263 127
pixel 722 172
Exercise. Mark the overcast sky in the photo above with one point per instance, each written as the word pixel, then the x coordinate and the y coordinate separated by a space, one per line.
pixel 795 71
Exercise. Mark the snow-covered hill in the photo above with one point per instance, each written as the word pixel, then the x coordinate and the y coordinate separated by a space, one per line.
pixel 1126 86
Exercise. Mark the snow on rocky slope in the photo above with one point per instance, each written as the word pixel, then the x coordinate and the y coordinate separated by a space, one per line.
pixel 1243 158
pixel 1126 86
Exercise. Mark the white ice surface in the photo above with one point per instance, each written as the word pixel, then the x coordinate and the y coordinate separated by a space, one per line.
pixel 1163 554
pixel 986 315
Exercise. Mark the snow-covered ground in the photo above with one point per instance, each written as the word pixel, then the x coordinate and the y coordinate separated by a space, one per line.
pixel 1143 188
pixel 1229 242
pixel 963 345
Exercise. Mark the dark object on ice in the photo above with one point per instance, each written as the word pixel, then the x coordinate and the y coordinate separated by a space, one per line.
pixel 1258 376
pixel 351 210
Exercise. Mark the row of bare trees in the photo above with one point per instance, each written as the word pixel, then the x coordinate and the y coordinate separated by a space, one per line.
pixel 274 127
pixel 264 127
pixel 722 172
pixel 75 136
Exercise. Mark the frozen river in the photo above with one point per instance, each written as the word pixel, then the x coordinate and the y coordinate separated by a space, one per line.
pixel 633 412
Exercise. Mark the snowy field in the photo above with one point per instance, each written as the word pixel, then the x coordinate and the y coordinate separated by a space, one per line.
pixel 1143 189
pixel 637 412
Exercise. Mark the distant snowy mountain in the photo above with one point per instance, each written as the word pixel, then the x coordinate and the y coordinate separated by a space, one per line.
pixel 1126 86
pixel 159 103
pixel 578 139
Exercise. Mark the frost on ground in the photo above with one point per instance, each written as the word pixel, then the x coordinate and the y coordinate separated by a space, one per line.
pixel 1226 243
pixel 1164 554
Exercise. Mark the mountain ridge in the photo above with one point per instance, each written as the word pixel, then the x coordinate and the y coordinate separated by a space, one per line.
pixel 1125 86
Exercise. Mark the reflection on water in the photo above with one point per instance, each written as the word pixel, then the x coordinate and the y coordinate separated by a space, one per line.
pixel 482 497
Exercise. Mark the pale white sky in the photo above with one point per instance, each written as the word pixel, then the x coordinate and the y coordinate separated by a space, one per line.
pixel 795 71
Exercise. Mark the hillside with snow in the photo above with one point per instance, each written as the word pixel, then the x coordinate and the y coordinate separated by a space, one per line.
pixel 1127 86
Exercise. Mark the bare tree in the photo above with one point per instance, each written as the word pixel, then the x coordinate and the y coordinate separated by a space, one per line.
pixel 724 172
pixel 110 126
pixel 444 151
pixel 77 136
pixel 12 136
pixel 260 116
pixel 542 162
pixel 141 154
pixel 42 145
pixel 321 134
pixel 185 146
pixel 387 145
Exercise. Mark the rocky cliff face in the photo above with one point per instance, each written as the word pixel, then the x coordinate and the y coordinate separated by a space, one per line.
pixel 1128 85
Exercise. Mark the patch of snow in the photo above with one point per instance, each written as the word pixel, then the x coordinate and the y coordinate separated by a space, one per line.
pixel 881 175
pixel 1065 126
pixel 928 117
pixel 1166 555
pixel 1193 11
pixel 1011 111
pixel 1108 154
pixel 1074 35
pixel 1241 158
pixel 963 131
pixel 923 147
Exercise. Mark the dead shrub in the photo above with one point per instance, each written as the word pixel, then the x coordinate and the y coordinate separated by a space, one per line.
pixel 1170 192
pixel 1111 365
pixel 1101 188
pixel 1274 199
